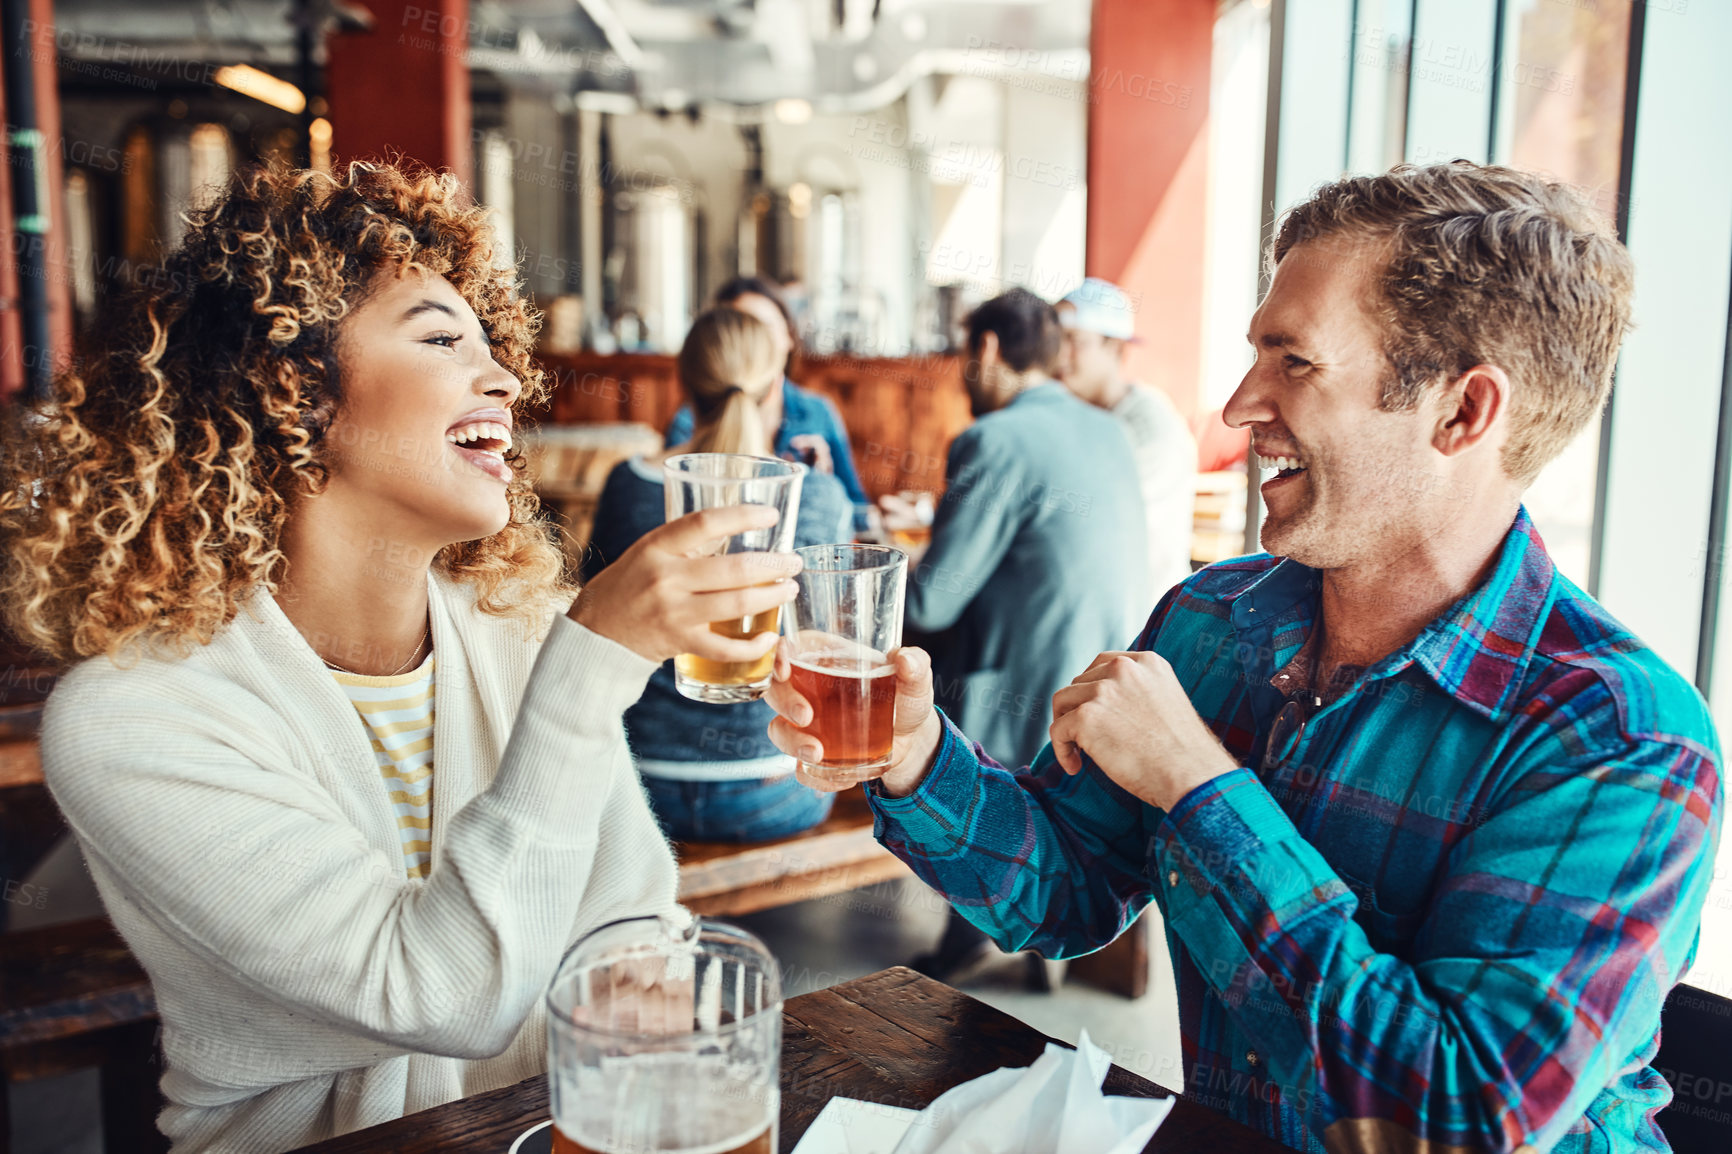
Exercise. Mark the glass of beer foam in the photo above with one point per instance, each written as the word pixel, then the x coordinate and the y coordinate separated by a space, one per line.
pixel 665 1036
pixel 845 622
pixel 695 481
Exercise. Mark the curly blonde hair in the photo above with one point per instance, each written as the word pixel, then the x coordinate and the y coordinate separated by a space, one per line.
pixel 145 500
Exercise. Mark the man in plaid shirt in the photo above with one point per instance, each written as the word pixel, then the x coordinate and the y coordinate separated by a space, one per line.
pixel 1430 830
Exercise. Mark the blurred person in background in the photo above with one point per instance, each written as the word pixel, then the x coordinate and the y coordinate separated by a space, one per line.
pixel 801 425
pixel 1038 554
pixel 711 772
pixel 1038 557
pixel 277 506
pixel 1099 325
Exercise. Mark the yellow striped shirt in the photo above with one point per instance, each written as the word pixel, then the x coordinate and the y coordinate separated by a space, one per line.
pixel 398 713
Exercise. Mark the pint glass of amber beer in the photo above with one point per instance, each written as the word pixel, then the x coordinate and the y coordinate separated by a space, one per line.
pixel 695 481
pixel 846 620
pixel 665 1037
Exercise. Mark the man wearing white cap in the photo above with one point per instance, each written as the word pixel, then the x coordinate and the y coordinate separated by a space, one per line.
pixel 1099 322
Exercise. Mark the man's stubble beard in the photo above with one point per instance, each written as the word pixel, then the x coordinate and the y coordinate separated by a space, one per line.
pixel 1293 533
pixel 1336 527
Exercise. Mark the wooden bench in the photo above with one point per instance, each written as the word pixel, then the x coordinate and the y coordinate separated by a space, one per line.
pixel 839 854
pixel 20 762
pixel 72 997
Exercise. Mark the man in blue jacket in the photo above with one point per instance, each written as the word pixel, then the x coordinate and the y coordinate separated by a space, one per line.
pixel 1039 558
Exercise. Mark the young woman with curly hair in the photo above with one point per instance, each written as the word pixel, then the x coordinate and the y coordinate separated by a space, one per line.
pixel 274 510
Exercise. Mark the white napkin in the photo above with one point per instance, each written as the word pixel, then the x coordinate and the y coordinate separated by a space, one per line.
pixel 850 1126
pixel 1052 1107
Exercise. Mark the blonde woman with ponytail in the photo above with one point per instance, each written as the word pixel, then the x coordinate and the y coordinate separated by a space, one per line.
pixel 727 369
pixel 710 770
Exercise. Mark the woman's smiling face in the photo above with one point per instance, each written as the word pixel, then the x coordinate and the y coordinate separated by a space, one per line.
pixel 417 443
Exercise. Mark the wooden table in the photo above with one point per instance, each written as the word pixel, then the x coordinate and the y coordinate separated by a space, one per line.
pixel 892 1037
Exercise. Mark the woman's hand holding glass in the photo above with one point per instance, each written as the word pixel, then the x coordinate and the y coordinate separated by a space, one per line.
pixel 659 597
pixel 918 727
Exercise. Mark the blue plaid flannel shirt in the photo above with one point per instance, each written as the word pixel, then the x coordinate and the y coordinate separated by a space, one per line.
pixel 1449 916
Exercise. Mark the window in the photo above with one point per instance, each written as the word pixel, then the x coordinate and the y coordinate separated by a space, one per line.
pixel 1561 113
pixel 1382 55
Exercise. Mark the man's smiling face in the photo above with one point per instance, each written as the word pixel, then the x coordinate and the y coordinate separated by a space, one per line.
pixel 1361 482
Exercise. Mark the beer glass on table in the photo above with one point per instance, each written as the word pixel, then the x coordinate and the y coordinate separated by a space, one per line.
pixel 846 621
pixel 665 1038
pixel 697 481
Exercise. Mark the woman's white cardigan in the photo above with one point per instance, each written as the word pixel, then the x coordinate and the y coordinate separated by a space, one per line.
pixel 231 811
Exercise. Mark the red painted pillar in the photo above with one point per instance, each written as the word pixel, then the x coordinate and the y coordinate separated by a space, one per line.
pixel 1148 165
pixel 403 86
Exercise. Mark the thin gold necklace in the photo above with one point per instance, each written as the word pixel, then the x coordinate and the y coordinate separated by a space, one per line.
pixel 412 654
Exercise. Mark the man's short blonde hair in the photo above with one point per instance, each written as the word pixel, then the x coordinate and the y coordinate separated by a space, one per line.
pixel 1487 265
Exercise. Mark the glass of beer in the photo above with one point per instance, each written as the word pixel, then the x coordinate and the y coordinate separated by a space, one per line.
pixel 665 1037
pixel 913 529
pixel 697 481
pixel 846 621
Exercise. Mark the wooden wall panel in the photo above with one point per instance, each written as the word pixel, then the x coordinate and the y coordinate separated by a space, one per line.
pixel 901 412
